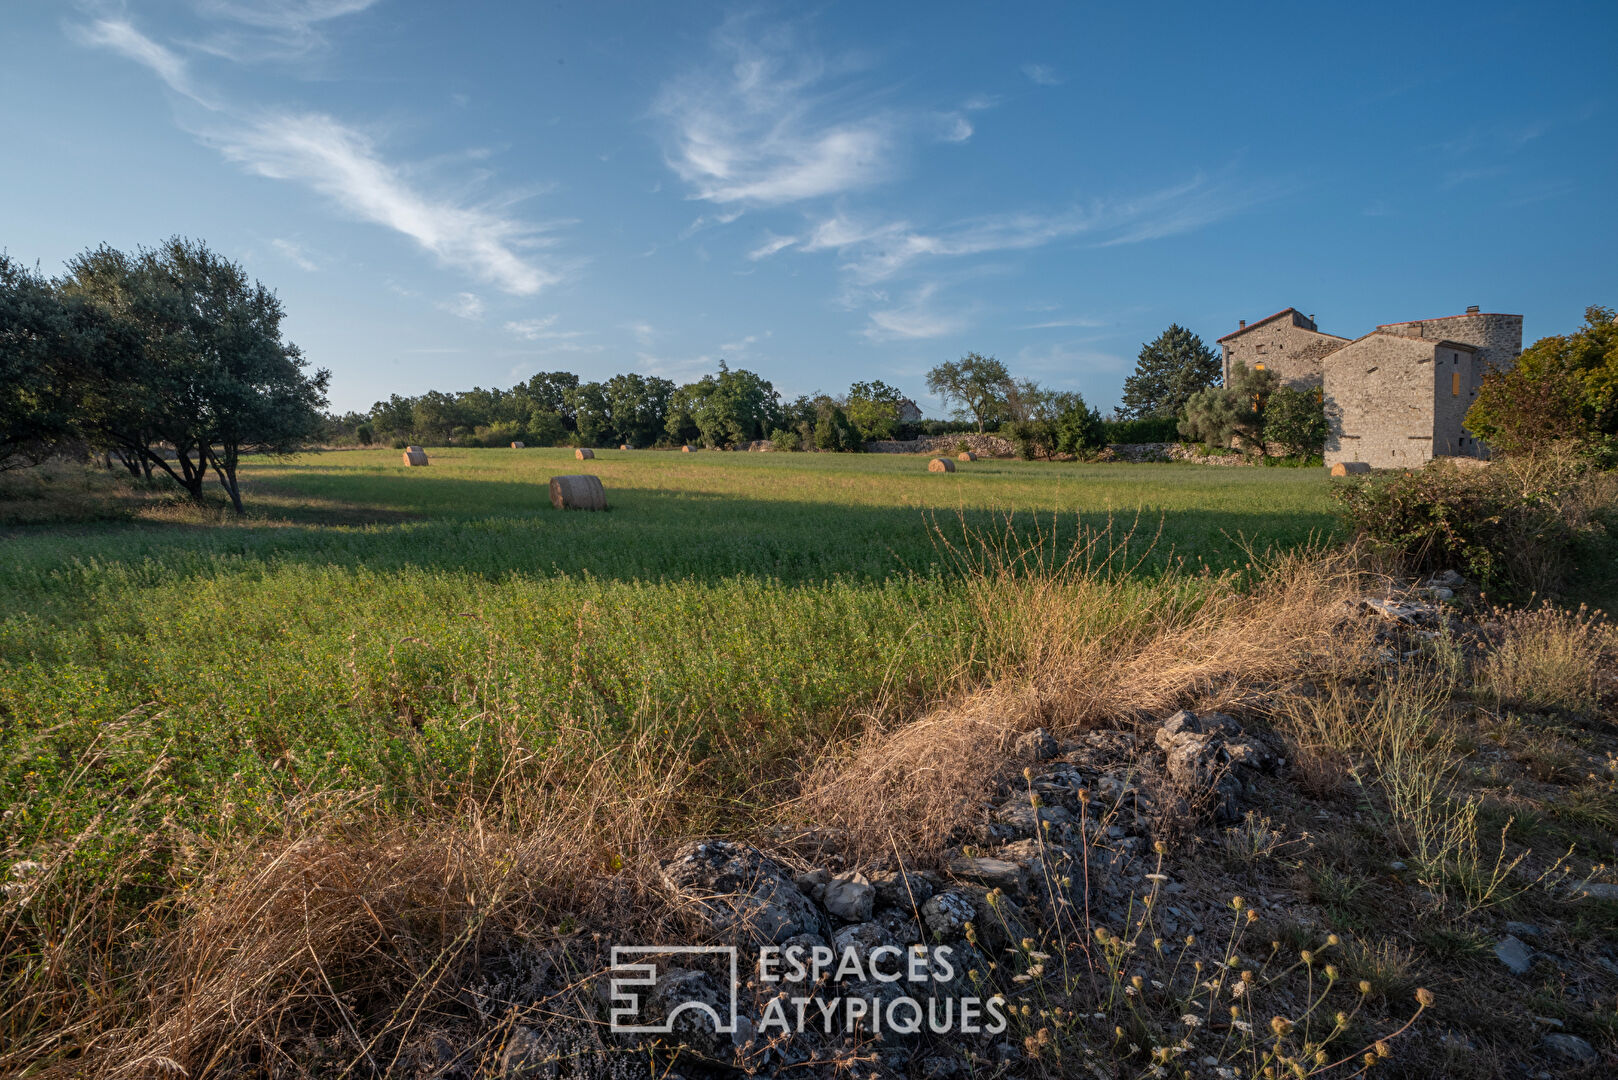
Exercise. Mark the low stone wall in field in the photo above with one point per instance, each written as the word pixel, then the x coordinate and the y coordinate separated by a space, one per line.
pixel 981 445
pixel 994 446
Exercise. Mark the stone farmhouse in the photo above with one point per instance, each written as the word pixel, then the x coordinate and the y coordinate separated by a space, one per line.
pixel 1396 397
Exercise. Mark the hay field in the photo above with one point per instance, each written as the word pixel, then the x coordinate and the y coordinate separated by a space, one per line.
pixel 369 625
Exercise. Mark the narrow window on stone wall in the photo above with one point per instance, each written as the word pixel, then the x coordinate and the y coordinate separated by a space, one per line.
pixel 1455 384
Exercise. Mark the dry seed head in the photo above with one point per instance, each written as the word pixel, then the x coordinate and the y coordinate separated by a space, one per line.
pixel 1307 957
pixel 1331 971
pixel 1382 1049
pixel 1160 847
pixel 1424 996
pixel 1370 1059
pixel 1281 1026
pixel 1237 902
pixel 1365 986
pixel 1333 939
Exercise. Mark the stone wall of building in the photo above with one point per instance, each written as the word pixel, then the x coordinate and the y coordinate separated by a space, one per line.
pixel 1380 400
pixel 1289 345
pixel 1456 374
pixel 1497 338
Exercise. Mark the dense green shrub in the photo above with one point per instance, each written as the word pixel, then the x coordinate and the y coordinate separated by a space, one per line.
pixel 785 439
pixel 833 431
pixel 1295 420
pixel 1222 414
pixel 1562 389
pixel 1150 429
pixel 1523 526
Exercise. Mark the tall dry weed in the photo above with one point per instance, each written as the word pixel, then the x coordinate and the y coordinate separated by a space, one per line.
pixel 1547 658
pixel 1072 640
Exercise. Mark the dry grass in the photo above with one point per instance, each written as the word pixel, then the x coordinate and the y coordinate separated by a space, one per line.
pixel 1069 647
pixel 356 928
pixel 1547 658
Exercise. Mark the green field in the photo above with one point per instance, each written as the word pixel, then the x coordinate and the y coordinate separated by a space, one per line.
pixel 370 626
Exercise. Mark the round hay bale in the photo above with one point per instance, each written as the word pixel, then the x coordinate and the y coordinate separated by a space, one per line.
pixel 1350 468
pixel 584 453
pixel 415 456
pixel 939 464
pixel 966 455
pixel 413 449
pixel 687 449
pixel 517 446
pixel 578 493
pixel 623 446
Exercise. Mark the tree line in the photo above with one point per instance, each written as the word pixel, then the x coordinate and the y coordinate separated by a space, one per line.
pixel 731 407
pixel 170 360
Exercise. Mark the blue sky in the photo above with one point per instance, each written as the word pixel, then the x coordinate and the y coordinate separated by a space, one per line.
pixel 448 195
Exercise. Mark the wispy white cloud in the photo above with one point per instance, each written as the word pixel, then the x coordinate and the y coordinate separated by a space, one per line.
pixel 542 329
pixel 294 253
pixel 464 306
pixel 953 127
pixel 771 245
pixel 1043 74
pixel 343 165
pixel 338 161
pixel 645 333
pixel 256 30
pixel 121 37
pixel 742 347
pixel 915 318
pixel 762 124
pixel 1055 324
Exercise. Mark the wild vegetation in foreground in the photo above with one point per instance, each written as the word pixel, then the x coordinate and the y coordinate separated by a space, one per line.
pixel 293 797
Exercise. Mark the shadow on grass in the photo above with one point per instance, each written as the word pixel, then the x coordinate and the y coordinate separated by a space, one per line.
pixel 508 529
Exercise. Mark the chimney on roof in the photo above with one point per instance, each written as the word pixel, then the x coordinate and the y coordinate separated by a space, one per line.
pixel 1242 325
pixel 1472 309
pixel 1311 317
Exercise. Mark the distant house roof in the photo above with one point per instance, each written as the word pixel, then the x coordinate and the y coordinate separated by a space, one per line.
pixel 1266 319
pixel 1305 323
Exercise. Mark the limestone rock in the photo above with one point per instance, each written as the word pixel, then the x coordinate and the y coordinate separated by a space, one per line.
pixel 861 938
pixel 901 889
pixel 679 995
pixel 1570 1049
pixel 991 872
pixel 1184 722
pixel 1038 744
pixel 850 897
pixel 945 915
pixel 1517 957
pixel 737 888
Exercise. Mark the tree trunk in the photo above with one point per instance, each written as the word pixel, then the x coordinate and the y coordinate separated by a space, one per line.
pixel 224 466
